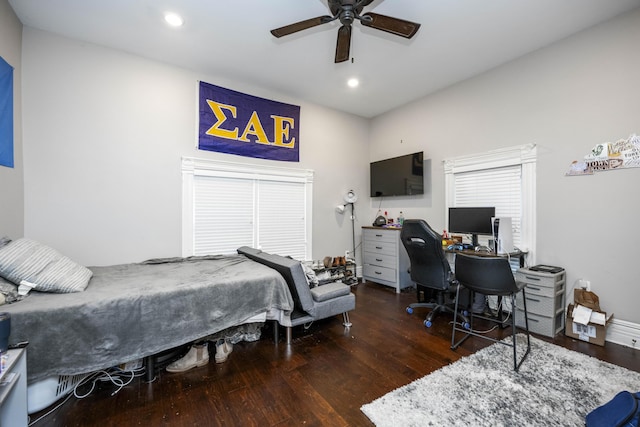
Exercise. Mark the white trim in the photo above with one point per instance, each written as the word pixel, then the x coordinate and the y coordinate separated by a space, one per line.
pixel 192 166
pixel 623 333
pixel 231 169
pixel 501 157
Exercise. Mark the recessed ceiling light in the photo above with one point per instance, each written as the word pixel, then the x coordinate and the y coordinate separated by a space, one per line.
pixel 353 82
pixel 173 19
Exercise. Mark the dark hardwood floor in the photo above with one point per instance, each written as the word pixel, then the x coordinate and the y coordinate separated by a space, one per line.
pixel 322 379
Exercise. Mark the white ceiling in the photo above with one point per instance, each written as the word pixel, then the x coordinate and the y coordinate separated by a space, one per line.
pixel 458 39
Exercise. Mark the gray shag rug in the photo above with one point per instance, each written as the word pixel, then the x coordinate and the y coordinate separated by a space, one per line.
pixel 554 387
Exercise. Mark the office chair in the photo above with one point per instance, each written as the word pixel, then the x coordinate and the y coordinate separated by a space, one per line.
pixel 428 267
pixel 489 276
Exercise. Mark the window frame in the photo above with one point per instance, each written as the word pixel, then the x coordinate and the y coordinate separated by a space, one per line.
pixel 523 155
pixel 192 167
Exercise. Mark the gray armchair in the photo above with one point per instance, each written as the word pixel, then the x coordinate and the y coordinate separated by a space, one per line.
pixel 318 303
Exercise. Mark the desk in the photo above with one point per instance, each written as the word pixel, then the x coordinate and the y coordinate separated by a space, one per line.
pixel 512 255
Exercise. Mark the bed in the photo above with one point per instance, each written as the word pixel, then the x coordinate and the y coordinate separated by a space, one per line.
pixel 132 311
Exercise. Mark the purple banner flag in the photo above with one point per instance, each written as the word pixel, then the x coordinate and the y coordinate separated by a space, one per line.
pixel 236 123
pixel 6 114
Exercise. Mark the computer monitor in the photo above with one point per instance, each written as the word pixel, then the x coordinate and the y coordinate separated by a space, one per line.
pixel 474 221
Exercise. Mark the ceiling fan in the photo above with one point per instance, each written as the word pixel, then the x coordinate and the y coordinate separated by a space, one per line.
pixel 348 11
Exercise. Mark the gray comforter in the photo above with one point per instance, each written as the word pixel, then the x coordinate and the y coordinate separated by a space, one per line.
pixel 131 311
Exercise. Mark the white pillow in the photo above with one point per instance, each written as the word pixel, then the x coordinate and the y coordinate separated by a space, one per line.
pixel 42 266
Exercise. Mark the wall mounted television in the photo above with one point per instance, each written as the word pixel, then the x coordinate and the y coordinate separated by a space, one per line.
pixel 398 176
pixel 471 220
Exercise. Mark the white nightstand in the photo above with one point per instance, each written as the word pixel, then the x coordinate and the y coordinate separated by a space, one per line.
pixel 13 389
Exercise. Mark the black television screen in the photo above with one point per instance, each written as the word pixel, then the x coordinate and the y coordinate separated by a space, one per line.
pixel 399 176
pixel 472 221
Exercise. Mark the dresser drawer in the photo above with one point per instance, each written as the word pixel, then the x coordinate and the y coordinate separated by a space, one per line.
pixel 543 325
pixel 383 248
pixel 375 272
pixel 380 236
pixel 547 281
pixel 539 304
pixel 380 259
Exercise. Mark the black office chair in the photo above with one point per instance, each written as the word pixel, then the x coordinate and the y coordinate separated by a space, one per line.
pixel 489 276
pixel 429 267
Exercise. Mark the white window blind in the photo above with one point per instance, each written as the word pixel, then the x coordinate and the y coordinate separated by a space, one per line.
pixel 228 205
pixel 223 214
pixel 282 218
pixel 499 187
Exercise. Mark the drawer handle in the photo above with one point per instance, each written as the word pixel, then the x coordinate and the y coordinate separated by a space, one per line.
pixel 533 320
pixel 377 272
pixel 534 288
pixel 533 278
pixel 378 247
pixel 378 259
pixel 533 299
pixel 378 235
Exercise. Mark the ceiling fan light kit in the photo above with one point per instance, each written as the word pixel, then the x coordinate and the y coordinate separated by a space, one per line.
pixel 349 11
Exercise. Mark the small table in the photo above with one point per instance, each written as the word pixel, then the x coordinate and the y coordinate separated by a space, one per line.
pixel 13 389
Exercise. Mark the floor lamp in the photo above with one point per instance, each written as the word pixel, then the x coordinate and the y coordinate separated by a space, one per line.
pixel 350 199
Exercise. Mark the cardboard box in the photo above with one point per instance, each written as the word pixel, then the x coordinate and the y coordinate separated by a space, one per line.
pixel 593 333
pixel 586 298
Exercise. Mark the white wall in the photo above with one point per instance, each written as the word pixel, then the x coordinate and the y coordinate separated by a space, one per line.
pixel 104 133
pixel 565 98
pixel 11 179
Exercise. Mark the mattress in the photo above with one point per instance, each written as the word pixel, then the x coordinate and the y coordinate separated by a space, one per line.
pixel 131 311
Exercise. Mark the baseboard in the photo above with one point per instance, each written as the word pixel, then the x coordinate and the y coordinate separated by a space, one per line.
pixel 624 333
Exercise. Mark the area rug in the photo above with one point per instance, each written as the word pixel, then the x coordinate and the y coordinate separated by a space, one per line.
pixel 554 387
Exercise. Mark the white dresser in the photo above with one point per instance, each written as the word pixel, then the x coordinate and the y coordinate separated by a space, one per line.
pixel 545 301
pixel 385 258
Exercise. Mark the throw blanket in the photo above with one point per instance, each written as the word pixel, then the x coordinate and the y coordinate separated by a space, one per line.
pixel 131 311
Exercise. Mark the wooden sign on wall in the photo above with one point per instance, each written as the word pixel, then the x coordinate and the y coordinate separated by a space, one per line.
pixel 624 153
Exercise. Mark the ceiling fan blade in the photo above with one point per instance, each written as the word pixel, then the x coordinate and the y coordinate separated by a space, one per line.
pixel 396 26
pixel 299 26
pixel 344 44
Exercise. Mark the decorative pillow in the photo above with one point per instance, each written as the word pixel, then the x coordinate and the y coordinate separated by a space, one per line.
pixel 10 291
pixel 44 267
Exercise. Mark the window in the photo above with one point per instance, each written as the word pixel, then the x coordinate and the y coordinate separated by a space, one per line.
pixel 228 205
pixel 502 178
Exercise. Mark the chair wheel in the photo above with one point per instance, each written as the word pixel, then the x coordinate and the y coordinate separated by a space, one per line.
pixel 428 323
pixel 466 326
pixel 409 310
pixel 465 313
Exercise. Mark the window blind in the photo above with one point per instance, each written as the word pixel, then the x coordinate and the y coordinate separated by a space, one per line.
pixel 228 205
pixel 499 187
pixel 223 215
pixel 282 218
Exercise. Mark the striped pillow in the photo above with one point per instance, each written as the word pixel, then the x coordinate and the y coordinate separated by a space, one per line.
pixel 46 268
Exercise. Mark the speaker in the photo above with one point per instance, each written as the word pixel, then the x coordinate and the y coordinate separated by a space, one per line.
pixel 502 235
